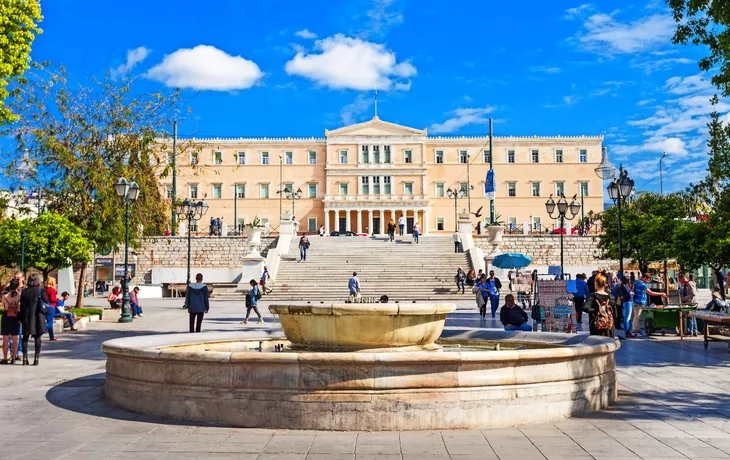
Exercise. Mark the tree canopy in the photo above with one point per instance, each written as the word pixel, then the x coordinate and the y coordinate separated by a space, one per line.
pixel 18 28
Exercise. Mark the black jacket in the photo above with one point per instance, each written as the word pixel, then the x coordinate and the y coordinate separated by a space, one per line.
pixel 31 315
pixel 514 316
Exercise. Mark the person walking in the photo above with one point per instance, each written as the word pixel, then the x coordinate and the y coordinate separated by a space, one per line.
pixel 20 277
pixel 211 229
pixel 354 287
pixel 391 231
pixel 198 302
pixel 579 299
pixel 33 308
pixel 601 309
pixel 10 327
pixel 591 282
pixel 625 296
pixel 512 317
pixel 321 231
pixel 688 295
pixel 416 232
pixel 481 289
pixel 494 289
pixel 471 277
pixel 458 248
pixel 402 225
pixel 641 300
pixel 134 303
pixel 303 247
pixel 52 301
pixel 252 301
pixel 460 279
pixel 265 278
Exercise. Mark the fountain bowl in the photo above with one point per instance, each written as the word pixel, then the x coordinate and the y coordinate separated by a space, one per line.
pixel 363 326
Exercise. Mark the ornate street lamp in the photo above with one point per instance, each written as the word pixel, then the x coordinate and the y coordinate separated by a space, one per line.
pixel 455 194
pixel 618 190
pixel 565 210
pixel 293 196
pixel 129 192
pixel 192 212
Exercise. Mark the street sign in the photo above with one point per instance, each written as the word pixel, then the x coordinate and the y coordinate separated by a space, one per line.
pixel 489 185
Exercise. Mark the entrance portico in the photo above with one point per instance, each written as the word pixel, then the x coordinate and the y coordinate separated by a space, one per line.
pixel 361 215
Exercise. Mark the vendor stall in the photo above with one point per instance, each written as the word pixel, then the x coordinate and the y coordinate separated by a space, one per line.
pixel 661 317
pixel 713 319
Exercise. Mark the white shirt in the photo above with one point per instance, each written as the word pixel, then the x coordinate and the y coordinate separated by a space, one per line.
pixel 457 238
pixel 402 221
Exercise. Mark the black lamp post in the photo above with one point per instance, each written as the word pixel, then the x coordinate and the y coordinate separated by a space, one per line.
pixel 619 189
pixel 129 192
pixel 455 194
pixel 293 196
pixel 192 212
pixel 565 210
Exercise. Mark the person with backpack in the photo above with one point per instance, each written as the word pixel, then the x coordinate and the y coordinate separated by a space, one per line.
pixel 252 301
pixel 34 304
pixel 601 309
pixel 198 302
pixel 11 320
pixel 303 247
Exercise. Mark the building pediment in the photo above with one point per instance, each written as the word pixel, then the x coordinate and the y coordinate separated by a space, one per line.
pixel 375 128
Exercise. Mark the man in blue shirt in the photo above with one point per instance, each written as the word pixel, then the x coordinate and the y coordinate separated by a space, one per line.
pixel 354 286
pixel 494 286
pixel 581 292
pixel 641 300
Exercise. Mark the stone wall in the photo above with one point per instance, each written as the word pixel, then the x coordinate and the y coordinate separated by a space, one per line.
pixel 545 249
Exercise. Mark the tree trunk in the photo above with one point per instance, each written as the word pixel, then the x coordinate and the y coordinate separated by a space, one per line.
pixel 80 286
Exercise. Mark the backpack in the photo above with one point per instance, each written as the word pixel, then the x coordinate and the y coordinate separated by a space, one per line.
pixel 604 315
pixel 12 305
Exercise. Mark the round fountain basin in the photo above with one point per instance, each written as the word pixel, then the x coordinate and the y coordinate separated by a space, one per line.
pixel 363 326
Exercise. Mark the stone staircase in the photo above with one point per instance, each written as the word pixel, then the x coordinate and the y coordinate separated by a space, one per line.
pixel 402 270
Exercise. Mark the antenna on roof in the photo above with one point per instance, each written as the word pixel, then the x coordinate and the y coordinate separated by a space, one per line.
pixel 376 102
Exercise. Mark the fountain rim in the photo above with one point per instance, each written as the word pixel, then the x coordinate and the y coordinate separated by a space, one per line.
pixel 363 309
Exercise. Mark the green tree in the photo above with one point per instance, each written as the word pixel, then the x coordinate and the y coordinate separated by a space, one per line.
pixel 18 28
pixel 81 138
pixel 648 223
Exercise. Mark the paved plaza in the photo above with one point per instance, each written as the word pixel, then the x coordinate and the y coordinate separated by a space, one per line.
pixel 674 402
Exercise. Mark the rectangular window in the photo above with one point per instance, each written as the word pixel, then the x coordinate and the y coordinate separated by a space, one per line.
pixel 536 223
pixel 194 226
pixel 312 224
pixel 264 191
pixel 193 192
pixel 241 158
pixel 288 187
pixel 558 156
pixel 487 156
pixel 343 189
pixel 240 190
pixel 511 188
pixel 312 191
pixel 365 154
pixel 440 190
pixel 464 187
pixel 264 158
pixel 217 191
pixel 217 158
pixel 408 156
pixel 535 189
pixel 265 222
pixel 439 156
pixel 510 156
pixel 240 225
pixel 584 188
pixel 560 188
pixel 170 158
pixel 168 191
pixel 193 158
pixel 440 224
pixel 365 181
pixel 408 188
pixel 376 185
pixel 312 157
pixel 463 156
pixel 376 154
pixel 512 222
pixel 535 156
pixel 386 151
pixel 583 156
pixel 289 158
pixel 386 185
pixel 343 157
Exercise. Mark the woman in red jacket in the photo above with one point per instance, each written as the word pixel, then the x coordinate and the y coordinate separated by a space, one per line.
pixel 53 298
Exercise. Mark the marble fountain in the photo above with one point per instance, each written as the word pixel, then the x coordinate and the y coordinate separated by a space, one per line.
pixel 367 367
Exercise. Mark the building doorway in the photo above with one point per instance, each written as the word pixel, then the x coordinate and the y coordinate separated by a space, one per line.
pixel 409 224
pixel 343 224
pixel 376 226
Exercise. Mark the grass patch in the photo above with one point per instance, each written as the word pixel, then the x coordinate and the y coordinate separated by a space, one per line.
pixel 85 311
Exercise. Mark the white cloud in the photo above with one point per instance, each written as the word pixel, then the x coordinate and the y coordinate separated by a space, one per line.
pixel 652 65
pixel 570 100
pixel 352 63
pixel 604 34
pixel 351 112
pixel 306 34
pixel 382 17
pixel 545 69
pixel 572 13
pixel 462 117
pixel 206 68
pixel 134 57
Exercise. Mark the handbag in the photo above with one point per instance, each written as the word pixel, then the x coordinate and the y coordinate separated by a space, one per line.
pixel 43 306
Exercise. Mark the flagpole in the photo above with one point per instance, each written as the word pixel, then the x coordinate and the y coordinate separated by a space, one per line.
pixel 376 102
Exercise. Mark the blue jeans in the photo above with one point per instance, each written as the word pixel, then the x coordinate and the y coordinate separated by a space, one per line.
pixel 628 306
pixel 494 303
pixel 692 325
pixel 415 236
pixel 460 285
pixel 136 309
pixel 49 321
pixel 68 316
pixel 525 327
pixel 401 228
pixel 302 253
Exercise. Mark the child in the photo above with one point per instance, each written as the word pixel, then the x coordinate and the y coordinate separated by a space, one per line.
pixel 60 303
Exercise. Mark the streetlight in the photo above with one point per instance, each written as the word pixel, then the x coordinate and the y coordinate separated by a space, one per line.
pixel 129 192
pixel 620 188
pixel 661 175
pixel 293 196
pixel 192 212
pixel 455 194
pixel 564 210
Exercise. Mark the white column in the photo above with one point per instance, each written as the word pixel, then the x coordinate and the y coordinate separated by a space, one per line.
pixel 347 220
pixel 382 221
pixel 359 221
pixel 405 216
pixel 370 221
pixel 392 216
pixel 326 221
pixel 425 221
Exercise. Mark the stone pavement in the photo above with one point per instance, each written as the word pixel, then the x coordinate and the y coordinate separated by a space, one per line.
pixel 674 403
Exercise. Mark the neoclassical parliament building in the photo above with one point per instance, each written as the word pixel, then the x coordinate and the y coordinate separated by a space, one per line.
pixel 360 177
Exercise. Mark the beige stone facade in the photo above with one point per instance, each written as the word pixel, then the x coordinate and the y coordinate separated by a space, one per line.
pixel 360 177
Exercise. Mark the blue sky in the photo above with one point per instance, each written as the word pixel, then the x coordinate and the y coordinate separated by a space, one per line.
pixel 290 68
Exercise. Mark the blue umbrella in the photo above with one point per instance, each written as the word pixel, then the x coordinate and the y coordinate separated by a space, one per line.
pixel 511 260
